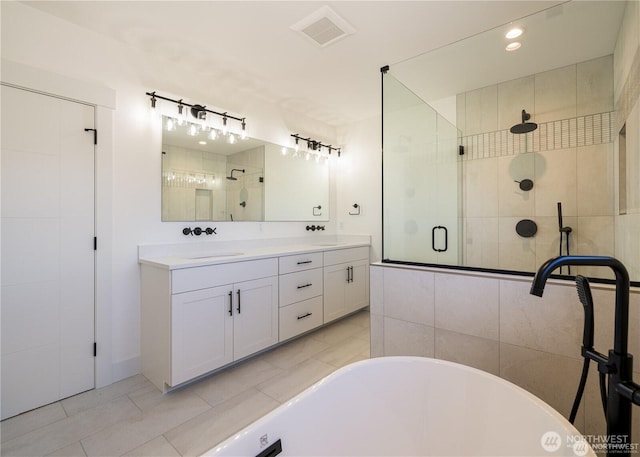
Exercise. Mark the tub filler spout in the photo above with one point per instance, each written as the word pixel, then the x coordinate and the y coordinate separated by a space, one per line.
pixel 618 366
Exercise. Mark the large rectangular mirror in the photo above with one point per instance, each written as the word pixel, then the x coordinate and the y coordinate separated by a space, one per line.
pixel 206 179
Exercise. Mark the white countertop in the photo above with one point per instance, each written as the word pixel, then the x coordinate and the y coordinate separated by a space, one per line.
pixel 189 255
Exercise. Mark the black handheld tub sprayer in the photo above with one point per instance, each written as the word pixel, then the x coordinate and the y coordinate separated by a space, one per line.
pixel 621 392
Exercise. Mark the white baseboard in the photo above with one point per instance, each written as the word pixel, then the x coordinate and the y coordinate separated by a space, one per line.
pixel 125 368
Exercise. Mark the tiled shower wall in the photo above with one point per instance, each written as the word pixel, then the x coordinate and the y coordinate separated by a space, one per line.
pixel 249 188
pixel 185 173
pixel 570 159
pixel 491 322
pixel 627 107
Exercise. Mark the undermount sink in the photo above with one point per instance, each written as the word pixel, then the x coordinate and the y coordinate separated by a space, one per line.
pixel 214 255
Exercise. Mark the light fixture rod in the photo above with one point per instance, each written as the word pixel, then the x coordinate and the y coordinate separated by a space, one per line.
pixel 183 103
pixel 318 145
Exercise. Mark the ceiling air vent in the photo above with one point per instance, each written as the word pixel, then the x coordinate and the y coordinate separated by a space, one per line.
pixel 323 27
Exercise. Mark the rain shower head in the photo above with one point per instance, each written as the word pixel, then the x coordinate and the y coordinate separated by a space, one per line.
pixel 525 127
pixel 233 178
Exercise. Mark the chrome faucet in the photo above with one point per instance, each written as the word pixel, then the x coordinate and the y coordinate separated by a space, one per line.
pixel 618 366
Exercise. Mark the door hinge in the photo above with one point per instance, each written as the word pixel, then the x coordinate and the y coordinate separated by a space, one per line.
pixel 95 243
pixel 95 349
pixel 95 134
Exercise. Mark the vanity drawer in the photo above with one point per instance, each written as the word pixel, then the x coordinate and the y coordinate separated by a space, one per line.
pixel 187 279
pixel 300 317
pixel 345 255
pixel 295 287
pixel 299 262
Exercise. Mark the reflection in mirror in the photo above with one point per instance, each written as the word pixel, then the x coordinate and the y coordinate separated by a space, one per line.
pixel 205 179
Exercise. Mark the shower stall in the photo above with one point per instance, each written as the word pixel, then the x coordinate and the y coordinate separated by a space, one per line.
pixel 495 161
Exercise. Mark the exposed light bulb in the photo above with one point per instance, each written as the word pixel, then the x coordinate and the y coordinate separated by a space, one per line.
pixel 232 138
pixel 243 134
pixel 317 158
pixel 213 134
pixel 171 124
pixel 224 125
pixel 193 130
pixel 284 151
pixel 308 156
pixel 297 145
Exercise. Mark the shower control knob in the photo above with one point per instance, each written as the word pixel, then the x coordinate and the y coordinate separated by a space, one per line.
pixel 187 231
pixel 525 184
pixel 197 231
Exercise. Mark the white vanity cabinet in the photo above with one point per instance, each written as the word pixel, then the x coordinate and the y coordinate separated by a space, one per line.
pixel 301 288
pixel 346 282
pixel 191 324
pixel 199 315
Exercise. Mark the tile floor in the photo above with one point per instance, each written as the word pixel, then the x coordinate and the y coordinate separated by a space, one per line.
pixel 131 417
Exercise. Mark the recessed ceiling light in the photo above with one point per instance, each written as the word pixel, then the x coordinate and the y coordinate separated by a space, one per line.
pixel 514 33
pixel 513 46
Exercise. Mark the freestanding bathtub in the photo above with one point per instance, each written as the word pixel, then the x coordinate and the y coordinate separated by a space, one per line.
pixel 409 406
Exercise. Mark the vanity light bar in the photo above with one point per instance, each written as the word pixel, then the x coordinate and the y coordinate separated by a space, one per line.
pixel 197 111
pixel 315 145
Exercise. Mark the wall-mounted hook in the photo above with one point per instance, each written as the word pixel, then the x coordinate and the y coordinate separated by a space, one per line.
pixel 319 208
pixel 243 204
pixel 358 208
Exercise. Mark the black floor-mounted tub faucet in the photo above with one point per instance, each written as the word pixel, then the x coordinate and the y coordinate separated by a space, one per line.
pixel 622 391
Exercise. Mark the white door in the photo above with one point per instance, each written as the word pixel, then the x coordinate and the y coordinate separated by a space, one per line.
pixel 357 291
pixel 336 278
pixel 255 316
pixel 201 332
pixel 47 248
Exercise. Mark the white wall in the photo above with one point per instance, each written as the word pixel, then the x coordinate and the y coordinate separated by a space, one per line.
pixel 36 39
pixel 359 181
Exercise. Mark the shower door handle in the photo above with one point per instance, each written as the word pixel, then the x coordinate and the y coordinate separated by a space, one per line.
pixel 433 238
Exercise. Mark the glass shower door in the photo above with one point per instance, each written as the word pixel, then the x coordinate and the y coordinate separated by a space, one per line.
pixel 420 180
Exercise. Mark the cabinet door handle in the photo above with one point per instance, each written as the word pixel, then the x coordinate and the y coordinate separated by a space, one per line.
pixel 349 274
pixel 230 303
pixel 305 261
pixel 304 315
pixel 238 301
pixel 306 285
